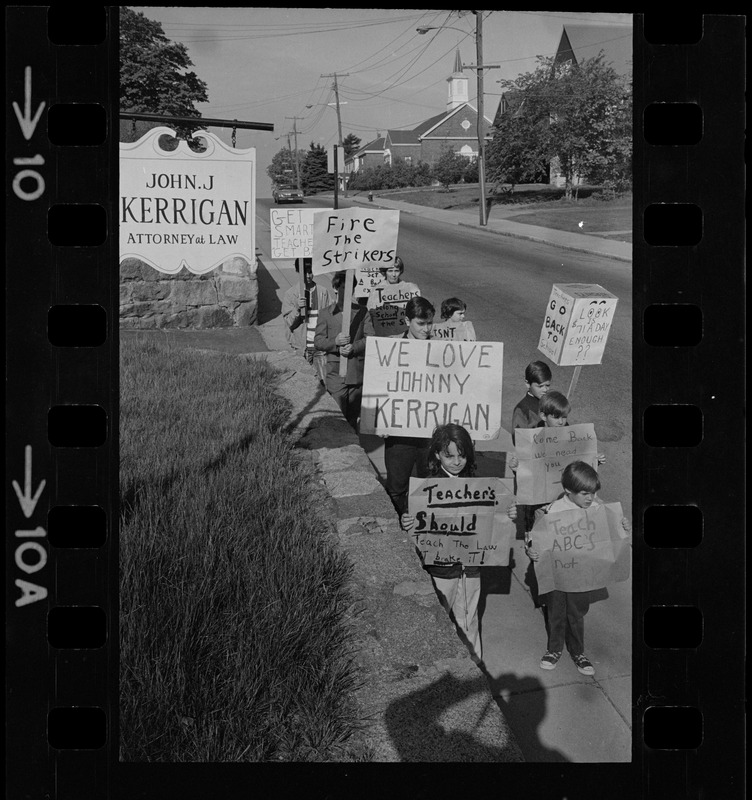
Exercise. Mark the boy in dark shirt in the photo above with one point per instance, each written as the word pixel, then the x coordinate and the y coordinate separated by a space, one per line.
pixel 526 413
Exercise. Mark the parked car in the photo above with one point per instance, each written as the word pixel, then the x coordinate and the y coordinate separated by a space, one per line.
pixel 287 194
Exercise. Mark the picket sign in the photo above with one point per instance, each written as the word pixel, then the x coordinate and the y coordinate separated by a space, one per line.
pixel 576 326
pixel 412 385
pixel 581 549
pixel 462 520
pixel 543 454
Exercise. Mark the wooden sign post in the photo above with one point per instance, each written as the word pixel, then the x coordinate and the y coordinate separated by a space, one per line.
pixel 346 316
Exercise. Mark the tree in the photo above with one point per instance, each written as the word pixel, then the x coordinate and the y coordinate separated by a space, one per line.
pixel 314 175
pixel 470 173
pixel 578 114
pixel 449 167
pixel 283 168
pixel 514 154
pixel 351 143
pixel 153 71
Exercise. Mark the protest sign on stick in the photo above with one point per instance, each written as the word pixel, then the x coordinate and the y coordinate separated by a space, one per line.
pixel 291 232
pixel 581 549
pixel 412 385
pixel 462 520
pixel 544 452
pixel 353 237
pixel 577 322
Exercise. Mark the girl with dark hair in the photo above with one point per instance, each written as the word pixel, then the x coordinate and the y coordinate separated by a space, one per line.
pixel 451 455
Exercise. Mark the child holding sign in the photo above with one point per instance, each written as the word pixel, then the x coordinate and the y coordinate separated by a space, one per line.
pixel 526 413
pixel 451 455
pixel 453 311
pixel 387 301
pixel 402 453
pixel 300 313
pixel 565 611
pixel 553 412
pixel 332 340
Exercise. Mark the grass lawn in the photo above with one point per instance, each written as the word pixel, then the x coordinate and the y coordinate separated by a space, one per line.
pixel 235 643
pixel 612 218
pixel 534 204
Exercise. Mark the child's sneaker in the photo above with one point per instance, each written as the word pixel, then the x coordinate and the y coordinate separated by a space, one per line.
pixel 550 660
pixel 583 664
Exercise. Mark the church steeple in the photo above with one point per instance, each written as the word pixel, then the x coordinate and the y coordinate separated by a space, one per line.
pixel 458 85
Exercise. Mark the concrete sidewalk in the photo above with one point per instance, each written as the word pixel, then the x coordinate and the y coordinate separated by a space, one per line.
pixel 497 224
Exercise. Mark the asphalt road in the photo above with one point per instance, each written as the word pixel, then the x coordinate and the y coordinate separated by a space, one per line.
pixel 506 284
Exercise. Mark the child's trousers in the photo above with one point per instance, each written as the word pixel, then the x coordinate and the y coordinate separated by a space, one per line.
pixel 565 620
pixel 460 597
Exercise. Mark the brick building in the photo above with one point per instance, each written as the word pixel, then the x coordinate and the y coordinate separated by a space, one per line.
pixel 455 128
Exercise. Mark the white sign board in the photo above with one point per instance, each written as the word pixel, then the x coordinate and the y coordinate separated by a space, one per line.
pixel 462 521
pixel 353 237
pixel 581 549
pixel 544 452
pixel 577 322
pixel 367 279
pixel 387 303
pixel 291 232
pixel 181 209
pixel 453 330
pixel 412 385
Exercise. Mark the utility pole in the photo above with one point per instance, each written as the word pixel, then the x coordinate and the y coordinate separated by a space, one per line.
pixel 339 123
pixel 297 154
pixel 481 135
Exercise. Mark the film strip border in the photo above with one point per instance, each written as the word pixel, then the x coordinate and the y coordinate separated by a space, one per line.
pixel 62 401
pixel 62 404
pixel 688 401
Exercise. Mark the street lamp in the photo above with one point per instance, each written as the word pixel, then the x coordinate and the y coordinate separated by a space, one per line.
pixel 481 136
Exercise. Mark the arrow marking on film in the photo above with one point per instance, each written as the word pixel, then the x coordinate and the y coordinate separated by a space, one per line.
pixel 28 503
pixel 26 122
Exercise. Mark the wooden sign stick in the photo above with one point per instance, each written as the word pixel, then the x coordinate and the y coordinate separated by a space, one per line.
pixel 573 383
pixel 346 316
pixel 301 284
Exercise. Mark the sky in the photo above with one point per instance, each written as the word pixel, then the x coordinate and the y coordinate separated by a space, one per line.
pixel 268 65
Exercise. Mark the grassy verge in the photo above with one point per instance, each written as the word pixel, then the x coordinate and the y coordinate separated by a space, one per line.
pixel 535 204
pixel 234 641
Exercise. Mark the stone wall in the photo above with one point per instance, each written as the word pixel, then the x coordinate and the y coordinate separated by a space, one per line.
pixel 224 298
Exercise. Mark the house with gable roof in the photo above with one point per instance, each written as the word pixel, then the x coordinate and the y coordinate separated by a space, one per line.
pixel 455 127
pixel 578 43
